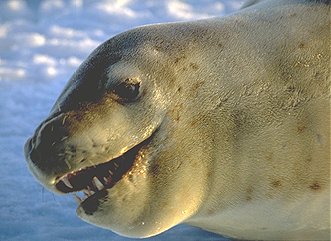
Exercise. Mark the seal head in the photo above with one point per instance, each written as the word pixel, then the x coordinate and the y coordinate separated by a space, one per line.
pixel 112 134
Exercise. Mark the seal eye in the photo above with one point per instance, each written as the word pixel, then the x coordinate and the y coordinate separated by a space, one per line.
pixel 126 91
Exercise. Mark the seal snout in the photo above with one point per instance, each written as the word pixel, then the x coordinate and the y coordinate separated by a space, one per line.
pixel 44 147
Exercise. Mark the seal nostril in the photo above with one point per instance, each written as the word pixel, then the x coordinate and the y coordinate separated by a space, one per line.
pixel 31 154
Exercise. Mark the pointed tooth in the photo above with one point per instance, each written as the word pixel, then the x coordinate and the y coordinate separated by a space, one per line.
pixel 107 180
pixel 89 191
pixel 66 181
pixel 110 172
pixel 97 183
pixel 116 165
pixel 77 198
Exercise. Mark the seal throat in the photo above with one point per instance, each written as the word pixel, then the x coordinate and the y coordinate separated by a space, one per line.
pixel 94 180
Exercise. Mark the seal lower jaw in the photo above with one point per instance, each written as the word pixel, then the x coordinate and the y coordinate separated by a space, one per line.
pixel 94 181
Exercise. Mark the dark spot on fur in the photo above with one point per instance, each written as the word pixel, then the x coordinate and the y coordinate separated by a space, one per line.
pixel 315 186
pixel 309 159
pixel 179 58
pixel 270 156
pixel 194 66
pixel 317 76
pixel 290 89
pixel 179 89
pixel 301 45
pixel 239 118
pixel 301 128
pixel 197 85
pixel 276 183
pixel 209 173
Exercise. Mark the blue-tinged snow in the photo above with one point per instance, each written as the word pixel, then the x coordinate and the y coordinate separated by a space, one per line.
pixel 41 45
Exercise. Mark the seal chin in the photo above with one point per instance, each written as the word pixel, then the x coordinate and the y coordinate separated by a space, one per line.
pixel 94 181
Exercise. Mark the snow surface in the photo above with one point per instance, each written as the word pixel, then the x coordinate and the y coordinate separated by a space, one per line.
pixel 41 44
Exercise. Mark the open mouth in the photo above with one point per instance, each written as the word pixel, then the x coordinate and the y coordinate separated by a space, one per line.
pixel 95 180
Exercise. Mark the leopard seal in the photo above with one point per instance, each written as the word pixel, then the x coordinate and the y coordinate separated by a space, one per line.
pixel 221 123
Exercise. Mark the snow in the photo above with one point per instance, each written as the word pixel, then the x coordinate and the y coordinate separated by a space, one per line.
pixel 42 42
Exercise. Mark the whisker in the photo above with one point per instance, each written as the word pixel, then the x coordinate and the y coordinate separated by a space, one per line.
pixel 67 162
pixel 64 120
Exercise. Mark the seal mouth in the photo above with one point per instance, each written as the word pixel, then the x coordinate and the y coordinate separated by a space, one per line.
pixel 94 181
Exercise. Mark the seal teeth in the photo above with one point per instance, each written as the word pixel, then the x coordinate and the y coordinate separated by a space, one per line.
pixel 89 191
pixel 66 181
pixel 97 183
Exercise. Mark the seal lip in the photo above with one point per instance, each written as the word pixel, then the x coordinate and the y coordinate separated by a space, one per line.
pixel 94 181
